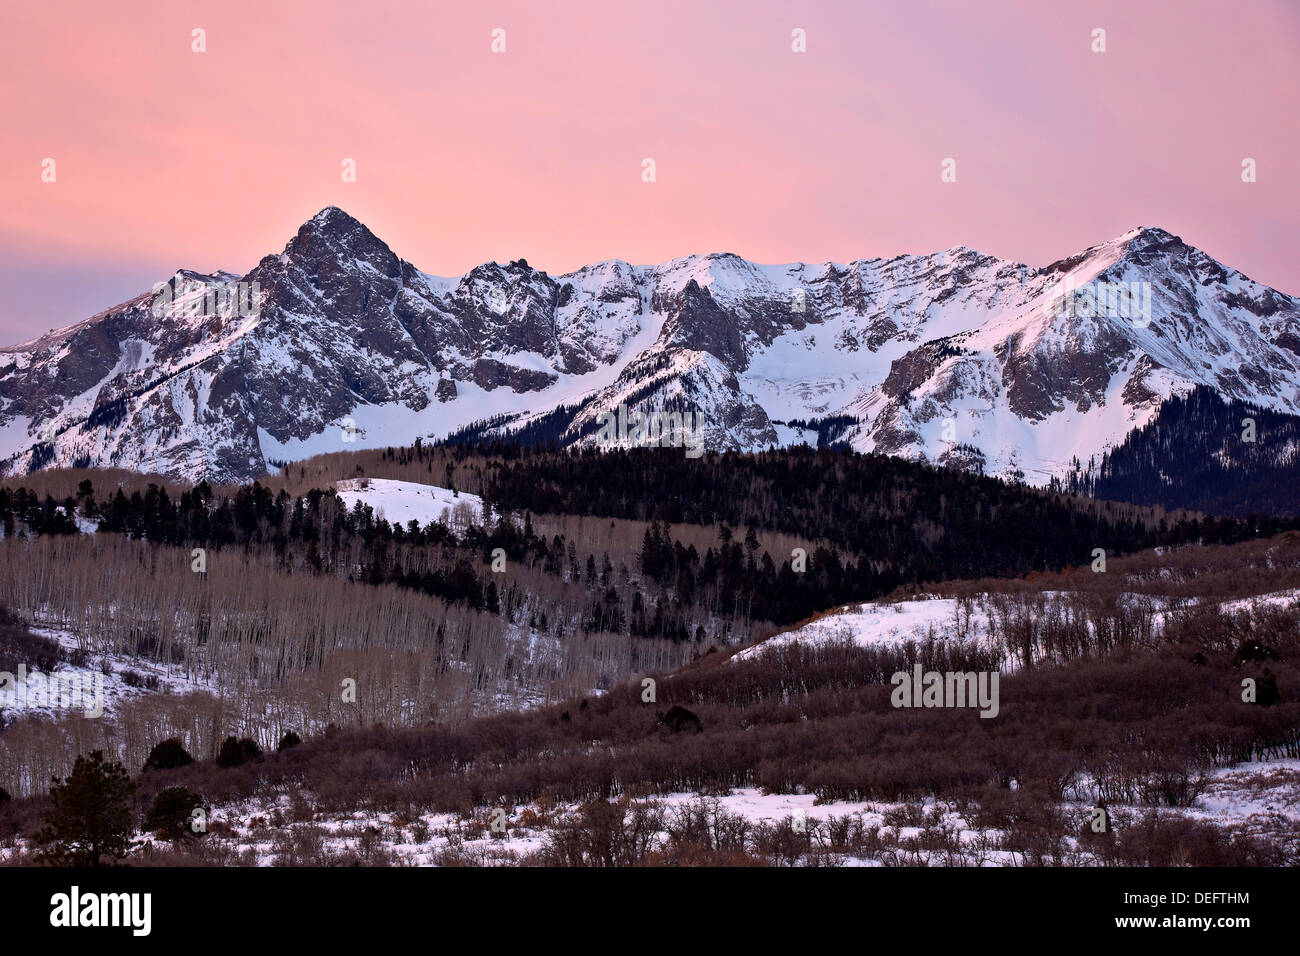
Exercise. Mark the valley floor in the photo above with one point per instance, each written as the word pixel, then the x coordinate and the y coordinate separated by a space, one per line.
pixel 1259 799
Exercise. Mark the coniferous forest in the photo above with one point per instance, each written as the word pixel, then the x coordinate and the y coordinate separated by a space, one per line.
pixel 1203 453
pixel 874 524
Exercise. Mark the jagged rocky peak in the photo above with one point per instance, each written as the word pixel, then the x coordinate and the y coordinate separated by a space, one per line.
pixel 334 222
pixel 350 347
pixel 1141 237
pixel 333 234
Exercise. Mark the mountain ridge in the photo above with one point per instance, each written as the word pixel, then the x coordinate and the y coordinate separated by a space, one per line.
pixel 955 357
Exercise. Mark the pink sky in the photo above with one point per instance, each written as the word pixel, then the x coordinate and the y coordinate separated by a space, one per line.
pixel 168 158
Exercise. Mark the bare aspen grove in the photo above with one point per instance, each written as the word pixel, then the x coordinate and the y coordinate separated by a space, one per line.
pixel 272 647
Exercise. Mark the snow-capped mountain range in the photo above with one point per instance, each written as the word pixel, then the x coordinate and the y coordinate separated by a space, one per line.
pixel 955 357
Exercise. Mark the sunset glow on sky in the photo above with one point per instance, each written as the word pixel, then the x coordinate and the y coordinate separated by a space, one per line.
pixel 168 158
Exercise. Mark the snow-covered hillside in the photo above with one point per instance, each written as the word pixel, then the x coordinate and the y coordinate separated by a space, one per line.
pixel 892 623
pixel 954 357
pixel 401 502
pixel 96 688
pixel 883 623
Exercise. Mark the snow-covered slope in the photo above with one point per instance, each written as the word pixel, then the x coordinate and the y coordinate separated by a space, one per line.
pixel 884 623
pixel 948 620
pixel 336 343
pixel 401 502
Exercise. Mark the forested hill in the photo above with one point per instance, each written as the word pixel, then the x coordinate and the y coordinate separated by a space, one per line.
pixel 873 524
pixel 1202 453
pixel 925 523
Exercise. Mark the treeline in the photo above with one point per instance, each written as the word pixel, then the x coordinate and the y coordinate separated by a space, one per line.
pixel 730 577
pixel 885 523
pixel 749 583
pixel 451 560
pixel 911 521
pixel 317 526
pixel 1200 452
pixel 27 510
pixel 829 428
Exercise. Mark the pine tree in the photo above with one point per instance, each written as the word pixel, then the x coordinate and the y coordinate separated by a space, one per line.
pixel 90 814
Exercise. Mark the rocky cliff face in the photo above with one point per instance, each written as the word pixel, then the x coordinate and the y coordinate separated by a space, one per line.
pixel 955 357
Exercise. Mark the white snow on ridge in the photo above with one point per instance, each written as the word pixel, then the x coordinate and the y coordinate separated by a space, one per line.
pixel 399 502
pixel 1261 601
pixel 882 623
pixel 928 352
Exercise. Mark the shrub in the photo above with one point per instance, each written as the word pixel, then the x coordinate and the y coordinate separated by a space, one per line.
pixel 172 813
pixel 18 646
pixel 1266 693
pixel 288 741
pixel 167 755
pixel 1253 650
pixel 602 833
pixel 143 681
pixel 678 719
pixel 236 753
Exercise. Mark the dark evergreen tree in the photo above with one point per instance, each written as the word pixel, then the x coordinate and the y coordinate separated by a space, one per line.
pixel 167 755
pixel 89 818
pixel 236 753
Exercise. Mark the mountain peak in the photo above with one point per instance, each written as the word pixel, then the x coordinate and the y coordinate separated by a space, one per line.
pixel 1137 242
pixel 1145 237
pixel 345 328
pixel 332 215
pixel 332 233
pixel 333 221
